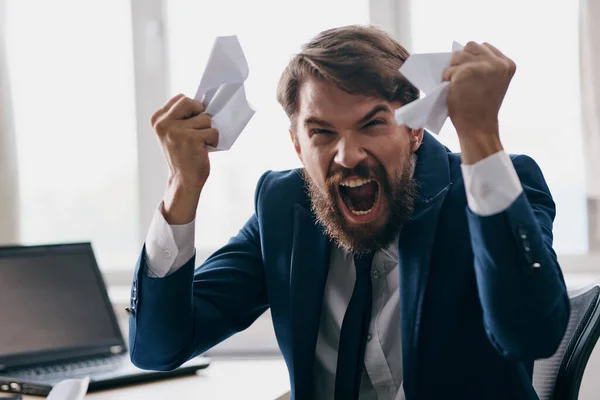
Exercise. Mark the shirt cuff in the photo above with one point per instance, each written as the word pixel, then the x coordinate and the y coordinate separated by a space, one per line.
pixel 168 247
pixel 492 184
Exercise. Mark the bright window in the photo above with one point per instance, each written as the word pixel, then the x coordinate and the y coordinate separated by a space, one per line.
pixel 71 69
pixel 270 33
pixel 540 115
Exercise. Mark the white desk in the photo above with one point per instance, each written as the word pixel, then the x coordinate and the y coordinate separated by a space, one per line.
pixel 224 379
pixel 267 379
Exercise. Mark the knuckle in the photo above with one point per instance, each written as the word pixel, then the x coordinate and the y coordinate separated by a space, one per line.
pixel 488 67
pixel 212 139
pixel 175 98
pixel 170 137
pixel 471 45
pixel 155 117
pixel 160 127
pixel 206 120
pixel 455 58
pixel 470 69
pixel 504 65
pixel 181 103
pixel 446 73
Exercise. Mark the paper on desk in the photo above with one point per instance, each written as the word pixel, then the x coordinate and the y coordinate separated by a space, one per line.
pixel 425 72
pixel 222 90
pixel 70 389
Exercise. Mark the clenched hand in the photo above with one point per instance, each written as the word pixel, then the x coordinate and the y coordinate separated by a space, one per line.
pixel 184 131
pixel 479 76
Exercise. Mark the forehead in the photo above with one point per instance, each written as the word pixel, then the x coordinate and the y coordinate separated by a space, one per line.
pixel 326 101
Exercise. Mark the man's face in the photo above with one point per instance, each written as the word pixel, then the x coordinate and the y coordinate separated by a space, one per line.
pixel 358 164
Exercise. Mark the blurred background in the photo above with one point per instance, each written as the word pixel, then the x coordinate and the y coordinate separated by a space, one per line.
pixel 79 81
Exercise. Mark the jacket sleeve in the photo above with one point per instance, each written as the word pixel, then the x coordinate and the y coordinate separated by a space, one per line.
pixel 522 291
pixel 185 313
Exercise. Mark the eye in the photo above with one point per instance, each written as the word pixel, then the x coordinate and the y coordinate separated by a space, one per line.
pixel 317 131
pixel 374 123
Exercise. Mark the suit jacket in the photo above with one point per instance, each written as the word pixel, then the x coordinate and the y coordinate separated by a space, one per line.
pixel 481 298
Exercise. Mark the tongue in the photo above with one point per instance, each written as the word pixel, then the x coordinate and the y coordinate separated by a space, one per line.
pixel 361 198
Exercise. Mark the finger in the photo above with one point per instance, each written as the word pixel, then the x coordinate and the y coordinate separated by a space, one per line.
pixel 172 101
pixel 461 57
pixel 448 73
pixel 210 136
pixel 474 48
pixel 510 64
pixel 494 50
pixel 161 111
pixel 185 108
pixel 200 121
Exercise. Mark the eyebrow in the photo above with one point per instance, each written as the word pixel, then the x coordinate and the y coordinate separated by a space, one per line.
pixel 377 109
pixel 316 121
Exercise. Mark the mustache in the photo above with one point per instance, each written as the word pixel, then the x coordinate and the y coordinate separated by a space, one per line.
pixel 361 171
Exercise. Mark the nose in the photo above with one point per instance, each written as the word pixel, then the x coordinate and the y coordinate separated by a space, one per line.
pixel 349 152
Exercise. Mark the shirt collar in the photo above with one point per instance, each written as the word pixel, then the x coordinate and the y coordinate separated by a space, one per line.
pixel 385 260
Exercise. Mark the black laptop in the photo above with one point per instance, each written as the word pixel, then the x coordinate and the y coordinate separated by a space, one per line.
pixel 57 322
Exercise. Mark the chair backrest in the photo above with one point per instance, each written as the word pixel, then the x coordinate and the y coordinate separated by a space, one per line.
pixel 559 377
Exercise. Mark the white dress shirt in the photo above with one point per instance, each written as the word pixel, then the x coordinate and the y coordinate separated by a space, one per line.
pixel 491 186
pixel 382 375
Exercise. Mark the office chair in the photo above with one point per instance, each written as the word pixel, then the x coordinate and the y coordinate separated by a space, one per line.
pixel 559 377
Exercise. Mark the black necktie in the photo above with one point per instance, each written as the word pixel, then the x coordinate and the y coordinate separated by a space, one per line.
pixel 353 335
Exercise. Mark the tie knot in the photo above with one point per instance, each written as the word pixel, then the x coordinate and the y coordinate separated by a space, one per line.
pixel 363 261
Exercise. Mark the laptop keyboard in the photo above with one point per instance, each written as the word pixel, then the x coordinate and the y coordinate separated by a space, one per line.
pixel 71 370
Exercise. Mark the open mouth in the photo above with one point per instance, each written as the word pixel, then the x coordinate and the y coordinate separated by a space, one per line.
pixel 359 195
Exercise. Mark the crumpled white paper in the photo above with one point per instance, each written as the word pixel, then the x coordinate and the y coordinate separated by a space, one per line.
pixel 69 389
pixel 425 72
pixel 222 90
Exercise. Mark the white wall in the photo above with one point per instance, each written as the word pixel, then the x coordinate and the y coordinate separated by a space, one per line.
pixel 9 194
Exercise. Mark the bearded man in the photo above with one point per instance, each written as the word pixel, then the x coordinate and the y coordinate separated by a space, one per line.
pixel 393 267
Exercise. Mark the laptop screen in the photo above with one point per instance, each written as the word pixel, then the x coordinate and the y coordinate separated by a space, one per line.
pixel 53 299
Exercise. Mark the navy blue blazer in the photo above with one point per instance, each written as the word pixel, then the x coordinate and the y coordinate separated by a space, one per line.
pixel 481 298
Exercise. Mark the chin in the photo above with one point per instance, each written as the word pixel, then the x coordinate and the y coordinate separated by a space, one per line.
pixel 358 234
pixel 361 211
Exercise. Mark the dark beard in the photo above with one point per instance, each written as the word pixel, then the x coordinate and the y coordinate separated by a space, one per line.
pixel 400 194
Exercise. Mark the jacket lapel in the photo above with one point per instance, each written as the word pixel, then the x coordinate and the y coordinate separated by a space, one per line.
pixel 309 268
pixel 414 250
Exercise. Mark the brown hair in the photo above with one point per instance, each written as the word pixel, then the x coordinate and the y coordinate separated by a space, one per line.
pixel 358 59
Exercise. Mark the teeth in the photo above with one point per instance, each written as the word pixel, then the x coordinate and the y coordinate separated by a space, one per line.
pixel 365 212
pixel 361 212
pixel 355 182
